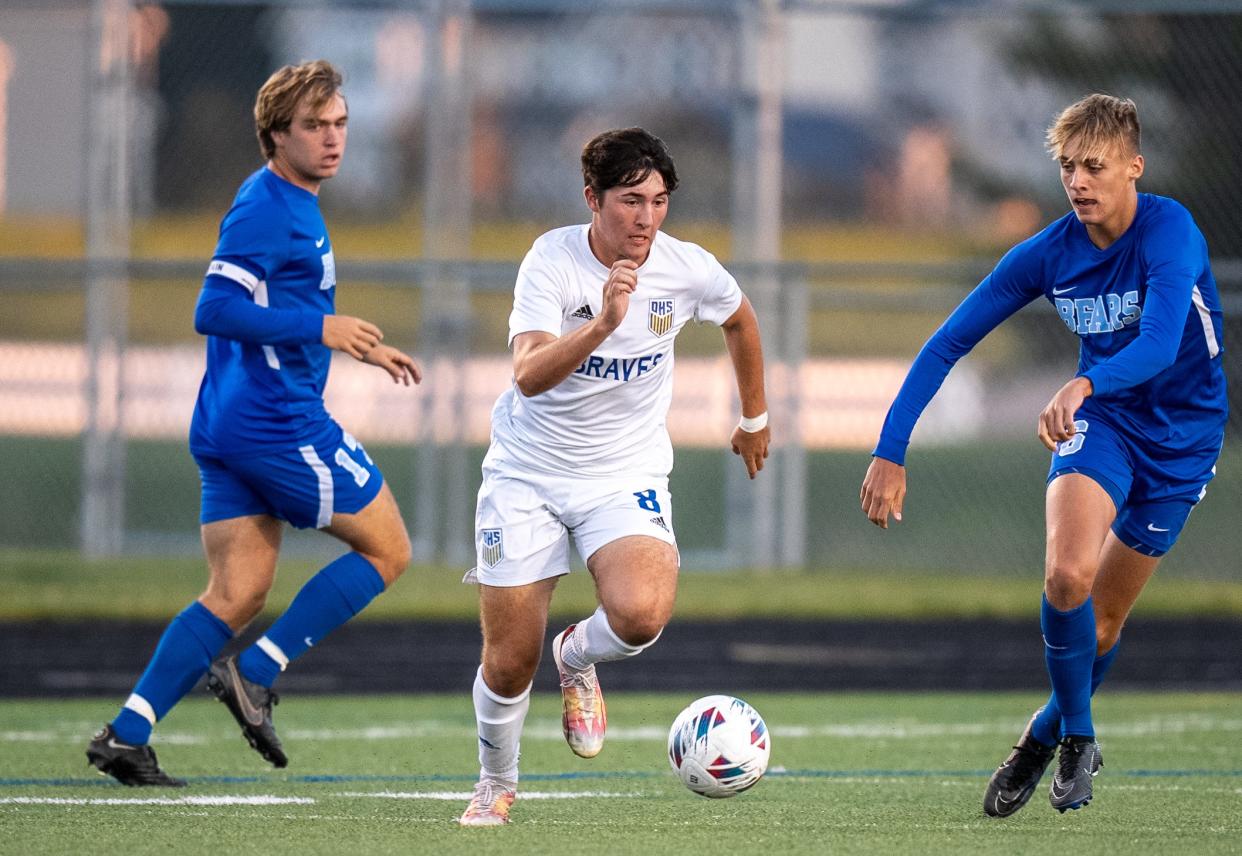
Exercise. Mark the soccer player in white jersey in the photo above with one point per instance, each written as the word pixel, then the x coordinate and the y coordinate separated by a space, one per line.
pixel 267 450
pixel 580 448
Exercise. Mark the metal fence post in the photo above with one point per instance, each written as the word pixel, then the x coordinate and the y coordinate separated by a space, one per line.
pixel 107 298
pixel 442 507
pixel 752 506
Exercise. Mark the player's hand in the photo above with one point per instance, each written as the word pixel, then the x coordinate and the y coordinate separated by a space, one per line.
pixel 399 365
pixel 752 447
pixel 621 282
pixel 883 491
pixel 1056 422
pixel 350 335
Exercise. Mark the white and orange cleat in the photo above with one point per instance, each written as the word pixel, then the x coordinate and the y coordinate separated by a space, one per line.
pixel 490 804
pixel 583 718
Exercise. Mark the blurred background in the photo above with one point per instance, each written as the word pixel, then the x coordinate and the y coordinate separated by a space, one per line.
pixel 859 166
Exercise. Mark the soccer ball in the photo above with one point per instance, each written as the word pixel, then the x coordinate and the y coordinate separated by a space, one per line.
pixel 719 746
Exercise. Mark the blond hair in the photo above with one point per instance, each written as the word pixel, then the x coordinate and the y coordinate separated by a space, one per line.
pixel 1099 123
pixel 279 97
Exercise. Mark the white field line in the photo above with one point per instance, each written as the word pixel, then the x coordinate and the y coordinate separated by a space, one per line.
pixel 550 730
pixel 261 799
pixel 464 796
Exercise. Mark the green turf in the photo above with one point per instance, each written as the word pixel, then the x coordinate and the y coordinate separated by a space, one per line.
pixel 865 774
pixel 51 585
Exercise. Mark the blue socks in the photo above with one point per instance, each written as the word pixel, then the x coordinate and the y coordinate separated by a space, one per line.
pixel 1047 726
pixel 1069 651
pixel 189 644
pixel 329 599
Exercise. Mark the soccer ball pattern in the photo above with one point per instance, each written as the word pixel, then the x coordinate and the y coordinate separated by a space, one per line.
pixel 719 746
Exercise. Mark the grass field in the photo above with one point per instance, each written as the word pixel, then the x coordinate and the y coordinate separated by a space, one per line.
pixel 866 774
pixel 42 585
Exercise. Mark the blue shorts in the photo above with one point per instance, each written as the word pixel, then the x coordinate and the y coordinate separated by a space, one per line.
pixel 1154 494
pixel 304 485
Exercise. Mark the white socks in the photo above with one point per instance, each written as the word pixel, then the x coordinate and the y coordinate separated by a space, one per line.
pixel 500 729
pixel 594 642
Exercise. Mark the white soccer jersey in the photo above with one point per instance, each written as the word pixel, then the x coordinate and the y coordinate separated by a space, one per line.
pixel 608 417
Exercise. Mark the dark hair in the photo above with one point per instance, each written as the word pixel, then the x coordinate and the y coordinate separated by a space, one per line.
pixel 624 158
pixel 279 97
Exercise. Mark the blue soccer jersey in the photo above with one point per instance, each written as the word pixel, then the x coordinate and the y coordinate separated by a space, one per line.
pixel 270 283
pixel 1147 314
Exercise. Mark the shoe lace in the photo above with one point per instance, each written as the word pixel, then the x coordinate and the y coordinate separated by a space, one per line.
pixel 584 685
pixel 487 792
pixel 1025 763
pixel 1070 759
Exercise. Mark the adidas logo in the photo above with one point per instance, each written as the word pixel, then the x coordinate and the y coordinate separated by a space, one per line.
pixel 584 311
pixel 659 521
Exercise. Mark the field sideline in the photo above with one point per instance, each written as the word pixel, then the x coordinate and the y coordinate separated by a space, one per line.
pixel 857 773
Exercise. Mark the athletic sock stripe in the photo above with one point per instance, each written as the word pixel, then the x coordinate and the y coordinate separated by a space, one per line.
pixel 271 649
pixel 326 494
pixel 140 706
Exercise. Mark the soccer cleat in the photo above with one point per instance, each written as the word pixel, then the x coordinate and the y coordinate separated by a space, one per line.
pixel 135 766
pixel 490 804
pixel 251 705
pixel 1077 767
pixel 1014 781
pixel 584 718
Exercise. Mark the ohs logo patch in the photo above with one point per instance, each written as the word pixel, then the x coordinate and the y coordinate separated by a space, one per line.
pixel 660 315
pixel 493 547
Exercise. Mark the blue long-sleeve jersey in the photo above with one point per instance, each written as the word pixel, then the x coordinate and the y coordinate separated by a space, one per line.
pixel 1146 311
pixel 268 286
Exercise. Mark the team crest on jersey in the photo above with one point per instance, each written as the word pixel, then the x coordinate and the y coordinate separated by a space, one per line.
pixel 660 315
pixel 493 547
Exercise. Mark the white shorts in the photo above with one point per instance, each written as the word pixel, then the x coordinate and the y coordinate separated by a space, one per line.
pixel 523 521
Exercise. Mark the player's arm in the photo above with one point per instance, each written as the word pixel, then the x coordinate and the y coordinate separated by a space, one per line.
pixel 226 308
pixel 542 360
pixel 741 335
pixel 1009 287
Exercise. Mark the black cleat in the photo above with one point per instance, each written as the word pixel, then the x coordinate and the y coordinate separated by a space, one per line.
pixel 251 705
pixel 130 765
pixel 1076 768
pixel 1014 781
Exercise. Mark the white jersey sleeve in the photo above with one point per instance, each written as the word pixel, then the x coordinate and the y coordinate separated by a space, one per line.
pixel 722 296
pixel 539 297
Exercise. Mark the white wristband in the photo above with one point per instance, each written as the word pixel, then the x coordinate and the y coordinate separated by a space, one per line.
pixel 753 424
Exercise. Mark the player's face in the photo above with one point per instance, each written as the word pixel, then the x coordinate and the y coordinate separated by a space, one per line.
pixel 1101 189
pixel 311 150
pixel 624 222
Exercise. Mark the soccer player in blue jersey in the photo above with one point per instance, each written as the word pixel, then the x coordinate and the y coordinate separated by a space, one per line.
pixel 1134 435
pixel 266 448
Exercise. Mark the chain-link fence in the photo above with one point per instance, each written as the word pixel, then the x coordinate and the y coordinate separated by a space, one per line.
pixel 858 166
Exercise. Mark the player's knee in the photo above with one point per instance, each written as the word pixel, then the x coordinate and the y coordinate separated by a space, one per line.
pixel 1067 583
pixel 637 627
pixel 511 675
pixel 392 560
pixel 234 606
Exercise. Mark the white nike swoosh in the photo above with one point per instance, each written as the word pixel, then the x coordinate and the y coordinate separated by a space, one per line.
pixel 112 744
pixel 1063 290
pixel 319 243
pixel 1153 528
pixel 1057 790
pixel 309 643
